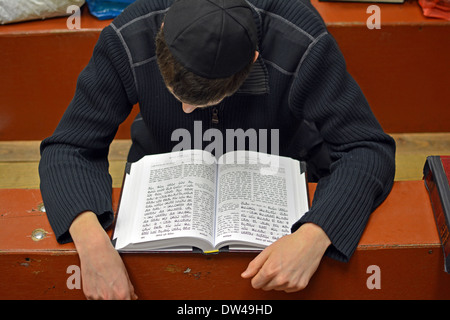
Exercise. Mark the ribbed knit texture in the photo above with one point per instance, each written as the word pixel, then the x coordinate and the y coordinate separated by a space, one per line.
pixel 308 82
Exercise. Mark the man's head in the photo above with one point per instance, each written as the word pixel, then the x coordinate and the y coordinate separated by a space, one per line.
pixel 205 49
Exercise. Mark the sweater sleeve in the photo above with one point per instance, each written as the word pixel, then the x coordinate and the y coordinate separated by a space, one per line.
pixel 363 168
pixel 73 169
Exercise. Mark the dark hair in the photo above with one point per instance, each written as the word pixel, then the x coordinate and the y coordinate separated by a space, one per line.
pixel 189 87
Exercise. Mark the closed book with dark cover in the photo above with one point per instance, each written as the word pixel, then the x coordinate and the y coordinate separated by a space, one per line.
pixel 437 176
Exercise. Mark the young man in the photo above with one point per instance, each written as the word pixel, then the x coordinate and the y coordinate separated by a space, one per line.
pixel 230 64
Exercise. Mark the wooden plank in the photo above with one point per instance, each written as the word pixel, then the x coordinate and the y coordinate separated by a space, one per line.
pixel 42 57
pixel 395 67
pixel 19 175
pixel 26 175
pixel 350 14
pixel 19 151
pixel 400 238
pixel 407 143
pixel 28 150
pixel 19 159
pixel 408 203
pixel 413 143
pixel 413 149
pixel 399 69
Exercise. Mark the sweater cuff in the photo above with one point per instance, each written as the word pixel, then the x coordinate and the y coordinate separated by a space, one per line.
pixel 342 210
pixel 332 251
pixel 62 233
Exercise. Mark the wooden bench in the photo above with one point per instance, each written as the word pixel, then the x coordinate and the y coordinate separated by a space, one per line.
pixel 401 67
pixel 395 67
pixel 401 240
pixel 19 159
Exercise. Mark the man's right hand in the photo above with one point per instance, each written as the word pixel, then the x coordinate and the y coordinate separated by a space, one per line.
pixel 103 273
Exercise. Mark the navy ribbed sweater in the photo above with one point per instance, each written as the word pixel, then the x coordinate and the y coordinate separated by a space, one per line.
pixel 300 75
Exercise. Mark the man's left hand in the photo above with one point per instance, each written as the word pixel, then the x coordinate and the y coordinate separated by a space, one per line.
pixel 289 263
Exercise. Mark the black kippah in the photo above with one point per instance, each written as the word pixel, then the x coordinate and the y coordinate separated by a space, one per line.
pixel 211 38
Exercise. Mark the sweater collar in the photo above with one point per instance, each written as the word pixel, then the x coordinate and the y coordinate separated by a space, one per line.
pixel 257 81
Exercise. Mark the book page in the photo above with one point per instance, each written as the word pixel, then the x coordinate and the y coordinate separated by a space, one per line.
pixel 256 202
pixel 177 197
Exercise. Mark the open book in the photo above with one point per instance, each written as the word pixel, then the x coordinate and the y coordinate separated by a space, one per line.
pixel 185 200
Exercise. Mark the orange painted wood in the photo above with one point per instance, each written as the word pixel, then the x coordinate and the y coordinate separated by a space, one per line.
pixel 402 68
pixel 401 238
pixel 40 62
pixel 403 72
pixel 344 13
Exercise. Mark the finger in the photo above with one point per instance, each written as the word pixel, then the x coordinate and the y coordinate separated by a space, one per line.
pixel 261 279
pixel 286 286
pixel 271 278
pixel 274 284
pixel 255 265
pixel 133 295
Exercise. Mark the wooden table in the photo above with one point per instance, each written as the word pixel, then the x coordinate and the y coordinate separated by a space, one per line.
pixel 401 240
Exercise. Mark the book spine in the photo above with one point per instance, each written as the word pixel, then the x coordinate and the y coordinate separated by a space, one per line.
pixel 438 189
pixel 113 226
